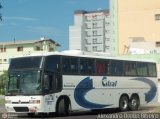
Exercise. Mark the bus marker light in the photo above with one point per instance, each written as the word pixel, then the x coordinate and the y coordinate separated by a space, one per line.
pixel 32 110
pixel 35 101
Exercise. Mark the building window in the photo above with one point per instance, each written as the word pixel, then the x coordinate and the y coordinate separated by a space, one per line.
pixel 38 48
pixel 107 23
pixel 87 34
pixel 94 33
pixel 95 48
pixel 107 31
pixel 85 49
pixel 87 26
pixel 87 41
pixel 94 40
pixel 5 60
pixel 3 49
pixel 108 39
pixel 94 25
pixel 157 16
pixel 88 18
pixel 19 49
pixel 51 49
pixel 94 17
pixel 157 44
pixel 108 47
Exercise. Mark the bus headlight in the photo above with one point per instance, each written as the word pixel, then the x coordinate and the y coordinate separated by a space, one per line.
pixel 8 101
pixel 34 101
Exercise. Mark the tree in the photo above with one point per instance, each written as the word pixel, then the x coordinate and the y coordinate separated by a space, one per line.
pixel 3 78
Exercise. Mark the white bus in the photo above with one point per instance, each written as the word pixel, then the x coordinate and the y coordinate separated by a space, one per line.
pixel 61 83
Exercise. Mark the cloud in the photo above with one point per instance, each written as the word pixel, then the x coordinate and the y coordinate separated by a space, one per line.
pixel 43 30
pixel 20 18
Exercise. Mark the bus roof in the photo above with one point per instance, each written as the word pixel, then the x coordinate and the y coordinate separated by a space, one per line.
pixel 78 53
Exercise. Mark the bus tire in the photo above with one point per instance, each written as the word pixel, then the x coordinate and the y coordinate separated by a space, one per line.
pixel 63 107
pixel 123 103
pixel 31 114
pixel 134 103
pixel 43 115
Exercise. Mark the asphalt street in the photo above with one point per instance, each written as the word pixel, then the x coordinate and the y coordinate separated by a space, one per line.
pixel 84 115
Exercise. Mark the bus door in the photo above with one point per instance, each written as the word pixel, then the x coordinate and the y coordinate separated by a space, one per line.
pixel 52 84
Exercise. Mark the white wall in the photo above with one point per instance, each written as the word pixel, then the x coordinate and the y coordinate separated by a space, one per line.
pixel 75 37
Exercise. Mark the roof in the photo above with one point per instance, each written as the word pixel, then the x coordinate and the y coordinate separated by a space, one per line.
pixel 88 12
pixel 27 42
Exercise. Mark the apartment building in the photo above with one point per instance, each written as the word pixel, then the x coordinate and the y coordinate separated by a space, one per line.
pixel 136 18
pixel 11 49
pixel 92 31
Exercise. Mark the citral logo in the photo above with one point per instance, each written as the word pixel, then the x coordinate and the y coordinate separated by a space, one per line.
pixel 108 83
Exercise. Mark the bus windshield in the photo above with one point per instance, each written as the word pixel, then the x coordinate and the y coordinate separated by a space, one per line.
pixel 24 82
pixel 26 63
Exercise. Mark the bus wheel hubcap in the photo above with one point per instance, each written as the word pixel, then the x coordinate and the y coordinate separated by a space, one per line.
pixel 124 104
pixel 134 102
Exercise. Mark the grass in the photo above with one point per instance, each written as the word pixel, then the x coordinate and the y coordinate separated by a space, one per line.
pixel 157 109
pixel 2 101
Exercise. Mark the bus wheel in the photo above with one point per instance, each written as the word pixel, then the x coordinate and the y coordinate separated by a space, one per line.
pixel 134 103
pixel 31 114
pixel 123 103
pixel 63 107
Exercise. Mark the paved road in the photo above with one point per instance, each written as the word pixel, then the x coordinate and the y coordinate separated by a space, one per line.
pixel 85 115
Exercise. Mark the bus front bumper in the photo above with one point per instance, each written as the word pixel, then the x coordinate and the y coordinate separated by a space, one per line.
pixel 23 108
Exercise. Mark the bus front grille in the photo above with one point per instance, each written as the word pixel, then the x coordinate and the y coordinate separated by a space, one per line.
pixel 21 109
pixel 20 102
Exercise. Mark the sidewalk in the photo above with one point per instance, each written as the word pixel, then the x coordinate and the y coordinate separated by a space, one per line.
pixel 156 104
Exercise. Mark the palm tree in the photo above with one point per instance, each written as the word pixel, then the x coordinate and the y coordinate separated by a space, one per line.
pixel 0 13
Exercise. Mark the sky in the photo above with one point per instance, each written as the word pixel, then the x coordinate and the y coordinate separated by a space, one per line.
pixel 33 19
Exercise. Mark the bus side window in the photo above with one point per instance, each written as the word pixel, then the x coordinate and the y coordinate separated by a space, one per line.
pixel 70 65
pixel 74 65
pixel 152 70
pixel 53 63
pixel 48 83
pixel 87 66
pixel 83 66
pixel 117 68
pixel 58 83
pixel 91 66
pixel 66 65
pixel 142 69
pixel 102 67
pixel 130 68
